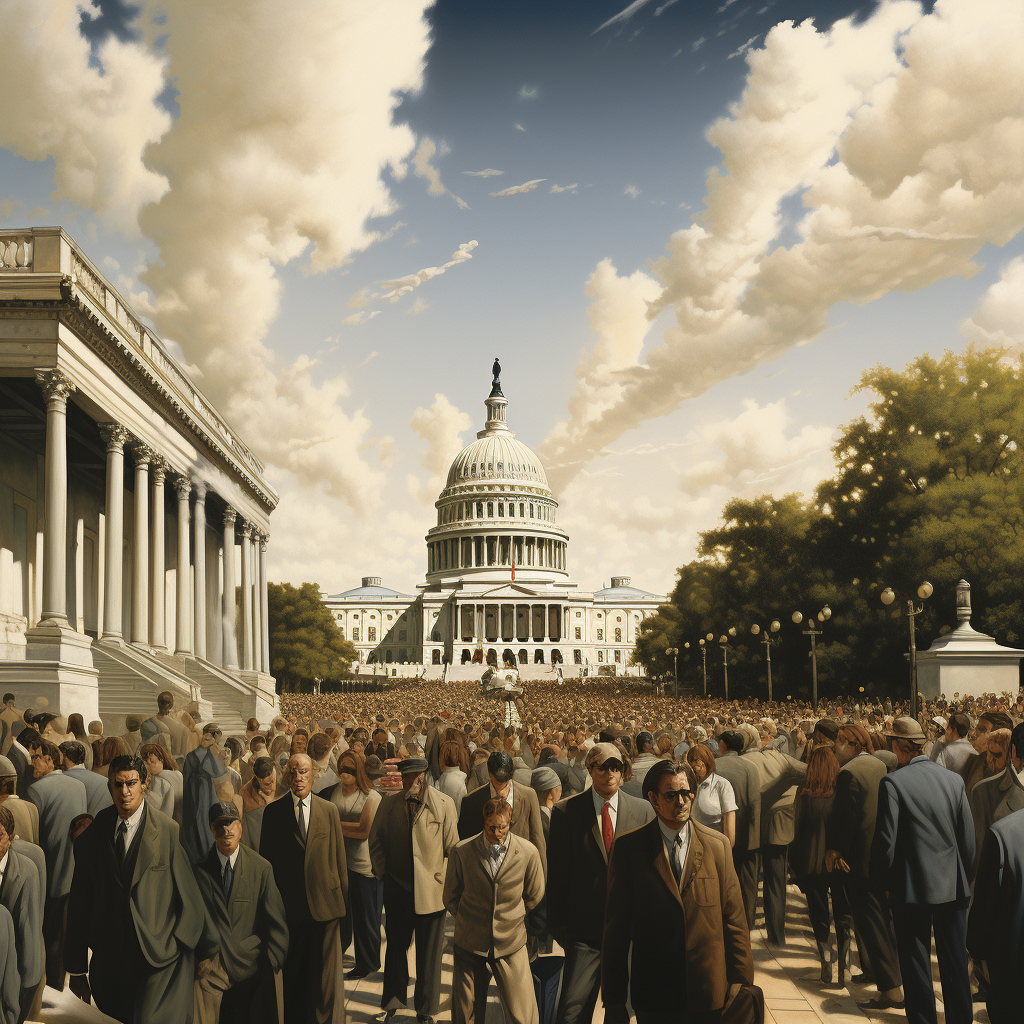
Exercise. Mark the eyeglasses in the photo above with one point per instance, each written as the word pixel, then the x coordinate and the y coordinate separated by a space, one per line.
pixel 672 795
pixel 608 765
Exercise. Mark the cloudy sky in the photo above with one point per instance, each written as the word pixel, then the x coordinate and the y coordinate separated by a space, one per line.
pixel 685 227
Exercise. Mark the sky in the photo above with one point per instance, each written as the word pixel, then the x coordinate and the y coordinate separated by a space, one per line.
pixel 686 228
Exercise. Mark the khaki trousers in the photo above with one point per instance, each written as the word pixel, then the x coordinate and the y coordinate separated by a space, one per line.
pixel 471 976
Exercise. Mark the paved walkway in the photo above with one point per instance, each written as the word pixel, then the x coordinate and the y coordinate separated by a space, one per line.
pixel 789 977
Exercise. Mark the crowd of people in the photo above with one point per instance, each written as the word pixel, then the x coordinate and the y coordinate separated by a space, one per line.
pixel 613 847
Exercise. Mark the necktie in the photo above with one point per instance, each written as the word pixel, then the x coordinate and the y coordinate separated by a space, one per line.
pixel 606 826
pixel 229 874
pixel 413 807
pixel 119 844
pixel 302 822
pixel 677 857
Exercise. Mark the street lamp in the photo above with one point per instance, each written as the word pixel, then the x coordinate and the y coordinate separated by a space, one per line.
pixel 723 642
pixel 924 592
pixel 823 616
pixel 704 662
pixel 766 639
pixel 674 652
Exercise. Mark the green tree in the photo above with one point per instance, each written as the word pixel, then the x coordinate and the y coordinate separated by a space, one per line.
pixel 305 643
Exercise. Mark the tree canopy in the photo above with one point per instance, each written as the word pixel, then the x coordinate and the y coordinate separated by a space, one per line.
pixel 928 486
pixel 305 642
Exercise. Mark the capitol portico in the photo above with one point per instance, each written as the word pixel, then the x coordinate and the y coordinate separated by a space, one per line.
pixel 497 585
pixel 134 521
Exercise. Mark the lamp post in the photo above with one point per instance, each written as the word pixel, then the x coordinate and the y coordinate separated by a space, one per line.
pixel 823 616
pixel 704 660
pixel 924 592
pixel 674 652
pixel 766 639
pixel 723 642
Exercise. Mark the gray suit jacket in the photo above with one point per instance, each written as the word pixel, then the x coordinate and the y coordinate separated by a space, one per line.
pixel 10 980
pixel 780 775
pixel 59 800
pixel 851 822
pixel 97 795
pixel 991 800
pixel 23 896
pixel 34 854
pixel 746 784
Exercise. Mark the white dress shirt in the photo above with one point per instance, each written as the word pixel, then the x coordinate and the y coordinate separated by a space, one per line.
pixel 496 857
pixel 3 868
pixel 613 807
pixel 509 796
pixel 306 802
pixel 224 860
pixel 668 835
pixel 133 823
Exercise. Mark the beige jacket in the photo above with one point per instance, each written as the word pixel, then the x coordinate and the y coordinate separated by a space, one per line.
pixel 434 835
pixel 490 913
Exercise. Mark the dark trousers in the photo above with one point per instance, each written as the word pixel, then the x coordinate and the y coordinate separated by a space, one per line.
pixel 773 866
pixel 402 924
pixel 677 1017
pixel 302 973
pixel 362 922
pixel 581 983
pixel 55 921
pixel 914 925
pixel 817 891
pixel 876 939
pixel 746 865
pixel 253 1001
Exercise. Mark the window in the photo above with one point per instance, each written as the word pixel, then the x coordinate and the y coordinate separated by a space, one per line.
pixel 401 654
pixel 435 636
pixel 501 509
pixel 600 656
pixel 618 657
pixel 490 510
pixel 600 634
pixel 479 510
pixel 390 616
pixel 355 634
pixel 579 632
pixel 522 510
pixel 618 636
pixel 401 636
pixel 531 509
pixel 371 634
pixel 618 618
pixel 577 657
pixel 579 615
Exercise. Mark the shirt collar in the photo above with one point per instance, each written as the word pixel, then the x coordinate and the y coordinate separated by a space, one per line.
pixel 599 801
pixel 296 801
pixel 223 860
pixel 134 820
pixel 3 863
pixel 670 834
pixel 509 796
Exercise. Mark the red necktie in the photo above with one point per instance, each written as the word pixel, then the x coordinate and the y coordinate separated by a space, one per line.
pixel 606 826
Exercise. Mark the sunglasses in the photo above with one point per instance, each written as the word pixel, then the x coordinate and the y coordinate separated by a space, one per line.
pixel 609 765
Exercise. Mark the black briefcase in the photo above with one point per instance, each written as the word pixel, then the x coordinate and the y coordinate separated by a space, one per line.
pixel 743 1005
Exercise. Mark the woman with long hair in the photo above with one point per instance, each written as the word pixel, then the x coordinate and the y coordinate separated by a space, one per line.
pixel 113 746
pixel 453 776
pixel 807 860
pixel 160 791
pixel 357 803
pixel 715 804
pixel 76 728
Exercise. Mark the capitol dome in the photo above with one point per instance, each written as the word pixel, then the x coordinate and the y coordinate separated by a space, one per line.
pixel 497 456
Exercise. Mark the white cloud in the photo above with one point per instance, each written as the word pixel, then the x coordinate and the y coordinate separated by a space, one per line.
pixel 423 168
pixel 361 317
pixel 94 121
pixel 529 92
pixel 373 355
pixel 726 6
pixel 518 127
pixel 743 47
pixel 565 188
pixel 697 44
pixel 998 319
pixel 623 16
pixel 900 192
pixel 420 305
pixel 360 299
pixel 514 190
pixel 487 172
pixel 632 191
pixel 399 286
pixel 441 427
pixel 664 6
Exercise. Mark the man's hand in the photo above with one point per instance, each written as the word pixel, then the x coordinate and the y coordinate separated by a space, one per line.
pixel 616 1014
pixel 833 860
pixel 79 985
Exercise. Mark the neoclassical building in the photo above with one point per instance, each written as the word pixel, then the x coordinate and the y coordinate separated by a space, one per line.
pixel 497 585
pixel 133 520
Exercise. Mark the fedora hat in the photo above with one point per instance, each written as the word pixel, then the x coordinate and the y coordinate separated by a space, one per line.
pixel 907 729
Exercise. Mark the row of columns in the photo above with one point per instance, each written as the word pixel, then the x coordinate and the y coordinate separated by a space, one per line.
pixel 552 617
pixel 147 595
pixel 495 550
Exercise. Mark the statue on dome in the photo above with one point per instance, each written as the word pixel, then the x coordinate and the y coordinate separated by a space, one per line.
pixel 505 684
pixel 496 369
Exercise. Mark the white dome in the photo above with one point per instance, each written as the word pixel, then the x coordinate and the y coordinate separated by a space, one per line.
pixel 500 457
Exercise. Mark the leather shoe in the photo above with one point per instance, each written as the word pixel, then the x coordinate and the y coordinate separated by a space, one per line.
pixel 385 1018
pixel 864 978
pixel 424 1018
pixel 882 1003
pixel 356 975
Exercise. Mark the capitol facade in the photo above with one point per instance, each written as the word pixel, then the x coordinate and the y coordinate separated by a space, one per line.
pixel 497 587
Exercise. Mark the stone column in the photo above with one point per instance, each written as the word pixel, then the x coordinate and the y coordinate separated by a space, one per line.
pixel 264 607
pixel 228 614
pixel 114 436
pixel 140 583
pixel 57 389
pixel 246 597
pixel 183 616
pixel 199 629
pixel 158 473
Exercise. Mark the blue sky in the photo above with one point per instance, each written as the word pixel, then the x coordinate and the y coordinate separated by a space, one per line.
pixel 383 110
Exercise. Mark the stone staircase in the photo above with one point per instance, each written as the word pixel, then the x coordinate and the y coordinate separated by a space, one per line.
pixel 229 696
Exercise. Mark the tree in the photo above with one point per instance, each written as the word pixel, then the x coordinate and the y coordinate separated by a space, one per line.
pixel 305 643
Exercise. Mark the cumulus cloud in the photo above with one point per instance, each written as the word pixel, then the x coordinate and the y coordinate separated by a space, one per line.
pixel 420 305
pixel 487 172
pixel 632 191
pixel 565 188
pixel 399 286
pixel 360 299
pixel 94 119
pixel 423 168
pixel 441 427
pixel 514 190
pixel 998 319
pixel 697 44
pixel 360 318
pixel 899 192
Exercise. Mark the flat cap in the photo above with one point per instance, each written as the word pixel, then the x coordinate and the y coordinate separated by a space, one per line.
pixel 7 767
pixel 412 765
pixel 601 752
pixel 222 812
pixel 544 779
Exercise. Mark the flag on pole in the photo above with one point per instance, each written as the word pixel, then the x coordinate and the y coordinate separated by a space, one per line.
pixel 513 570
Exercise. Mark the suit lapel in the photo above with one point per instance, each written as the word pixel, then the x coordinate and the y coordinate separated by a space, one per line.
pixel 661 861
pixel 149 847
pixel 694 859
pixel 509 854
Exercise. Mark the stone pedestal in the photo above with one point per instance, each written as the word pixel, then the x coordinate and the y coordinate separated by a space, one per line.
pixel 264 703
pixel 58 666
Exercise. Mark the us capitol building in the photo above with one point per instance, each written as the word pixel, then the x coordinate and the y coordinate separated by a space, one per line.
pixel 497 588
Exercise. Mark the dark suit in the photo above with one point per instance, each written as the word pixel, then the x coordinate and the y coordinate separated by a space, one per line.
pixel 526 815
pixel 577 883
pixel 312 877
pixel 995 931
pixel 850 830
pixel 922 855
pixel 10 980
pixel 746 784
pixel 991 800
pixel 142 921
pixel 248 930
pixel 690 940
pixel 22 894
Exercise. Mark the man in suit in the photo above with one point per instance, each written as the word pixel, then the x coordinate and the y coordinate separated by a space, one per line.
pixel 26 817
pixel 545 784
pixel 22 895
pixel 780 776
pixel 848 835
pixel 58 800
pixel 477 771
pixel 645 758
pixel 993 799
pixel 245 938
pixel 673 895
pixel 583 828
pixel 97 796
pixel 922 855
pixel 21 758
pixel 526 821
pixel 493 881
pixel 380 746
pixel 995 929
pixel 134 903
pixel 301 837
pixel 745 779
pixel 166 719
pixel 412 835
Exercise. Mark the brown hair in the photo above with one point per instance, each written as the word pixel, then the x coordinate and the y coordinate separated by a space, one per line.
pixel 158 751
pixel 7 821
pixel 822 771
pixel 454 755
pixel 358 763
pixel 497 806
pixel 113 746
pixel 699 752
pixel 857 736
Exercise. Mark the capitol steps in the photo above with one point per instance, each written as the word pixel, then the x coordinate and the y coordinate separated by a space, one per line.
pixel 229 696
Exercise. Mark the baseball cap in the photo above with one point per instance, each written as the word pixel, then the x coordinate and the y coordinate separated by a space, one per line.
pixel 222 813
